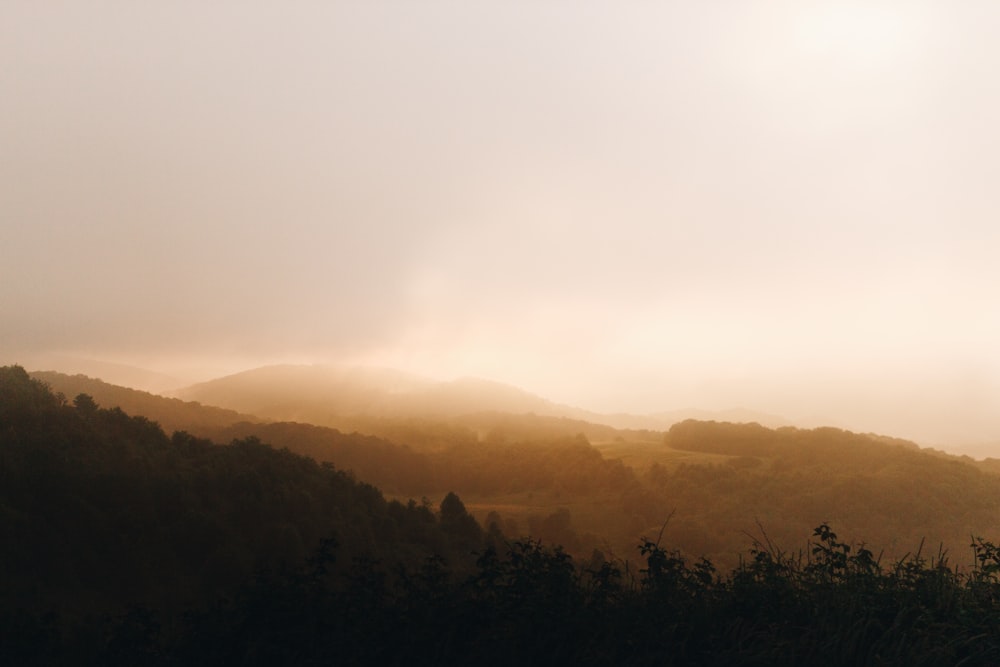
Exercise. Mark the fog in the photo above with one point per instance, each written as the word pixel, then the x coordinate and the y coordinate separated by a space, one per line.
pixel 787 207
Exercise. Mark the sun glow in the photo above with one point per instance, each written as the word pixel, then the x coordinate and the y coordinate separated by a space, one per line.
pixel 854 34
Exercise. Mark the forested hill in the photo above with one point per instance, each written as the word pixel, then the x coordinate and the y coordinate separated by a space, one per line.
pixel 100 511
pixel 504 418
pixel 463 464
pixel 170 413
pixel 723 478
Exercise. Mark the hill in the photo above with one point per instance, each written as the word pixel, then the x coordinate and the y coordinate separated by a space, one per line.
pixel 319 394
pixel 716 482
pixel 170 413
pixel 110 372
pixel 332 395
pixel 721 479
pixel 101 511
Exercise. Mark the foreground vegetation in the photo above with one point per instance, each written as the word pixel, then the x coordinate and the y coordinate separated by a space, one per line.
pixel 122 545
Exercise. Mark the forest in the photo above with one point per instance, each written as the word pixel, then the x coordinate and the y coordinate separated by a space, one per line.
pixel 485 538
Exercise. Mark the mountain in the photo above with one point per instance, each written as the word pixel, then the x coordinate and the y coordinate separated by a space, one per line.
pixel 318 394
pixel 341 396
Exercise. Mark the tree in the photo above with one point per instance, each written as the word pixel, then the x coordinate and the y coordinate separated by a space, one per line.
pixel 456 521
pixel 85 404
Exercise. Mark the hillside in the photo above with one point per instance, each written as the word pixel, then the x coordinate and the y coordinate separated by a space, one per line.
pixel 170 413
pixel 115 513
pixel 345 396
pixel 717 482
pixel 113 373
pixel 317 394
pixel 720 480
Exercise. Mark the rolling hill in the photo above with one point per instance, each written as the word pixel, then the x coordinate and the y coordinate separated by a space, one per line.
pixel 329 395
pixel 170 413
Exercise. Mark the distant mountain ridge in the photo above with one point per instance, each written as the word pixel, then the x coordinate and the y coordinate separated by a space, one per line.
pixel 305 393
pixel 395 405
pixel 364 399
pixel 318 394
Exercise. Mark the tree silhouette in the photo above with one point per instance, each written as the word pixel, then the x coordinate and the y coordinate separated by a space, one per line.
pixel 85 404
pixel 458 523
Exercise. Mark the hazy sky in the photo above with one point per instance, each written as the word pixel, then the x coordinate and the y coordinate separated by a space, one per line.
pixel 784 206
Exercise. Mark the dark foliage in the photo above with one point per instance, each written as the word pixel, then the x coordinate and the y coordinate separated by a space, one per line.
pixel 100 511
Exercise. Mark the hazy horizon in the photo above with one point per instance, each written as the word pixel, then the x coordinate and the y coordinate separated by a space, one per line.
pixel 787 207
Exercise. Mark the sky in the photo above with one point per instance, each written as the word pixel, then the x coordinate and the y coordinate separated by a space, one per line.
pixel 783 206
